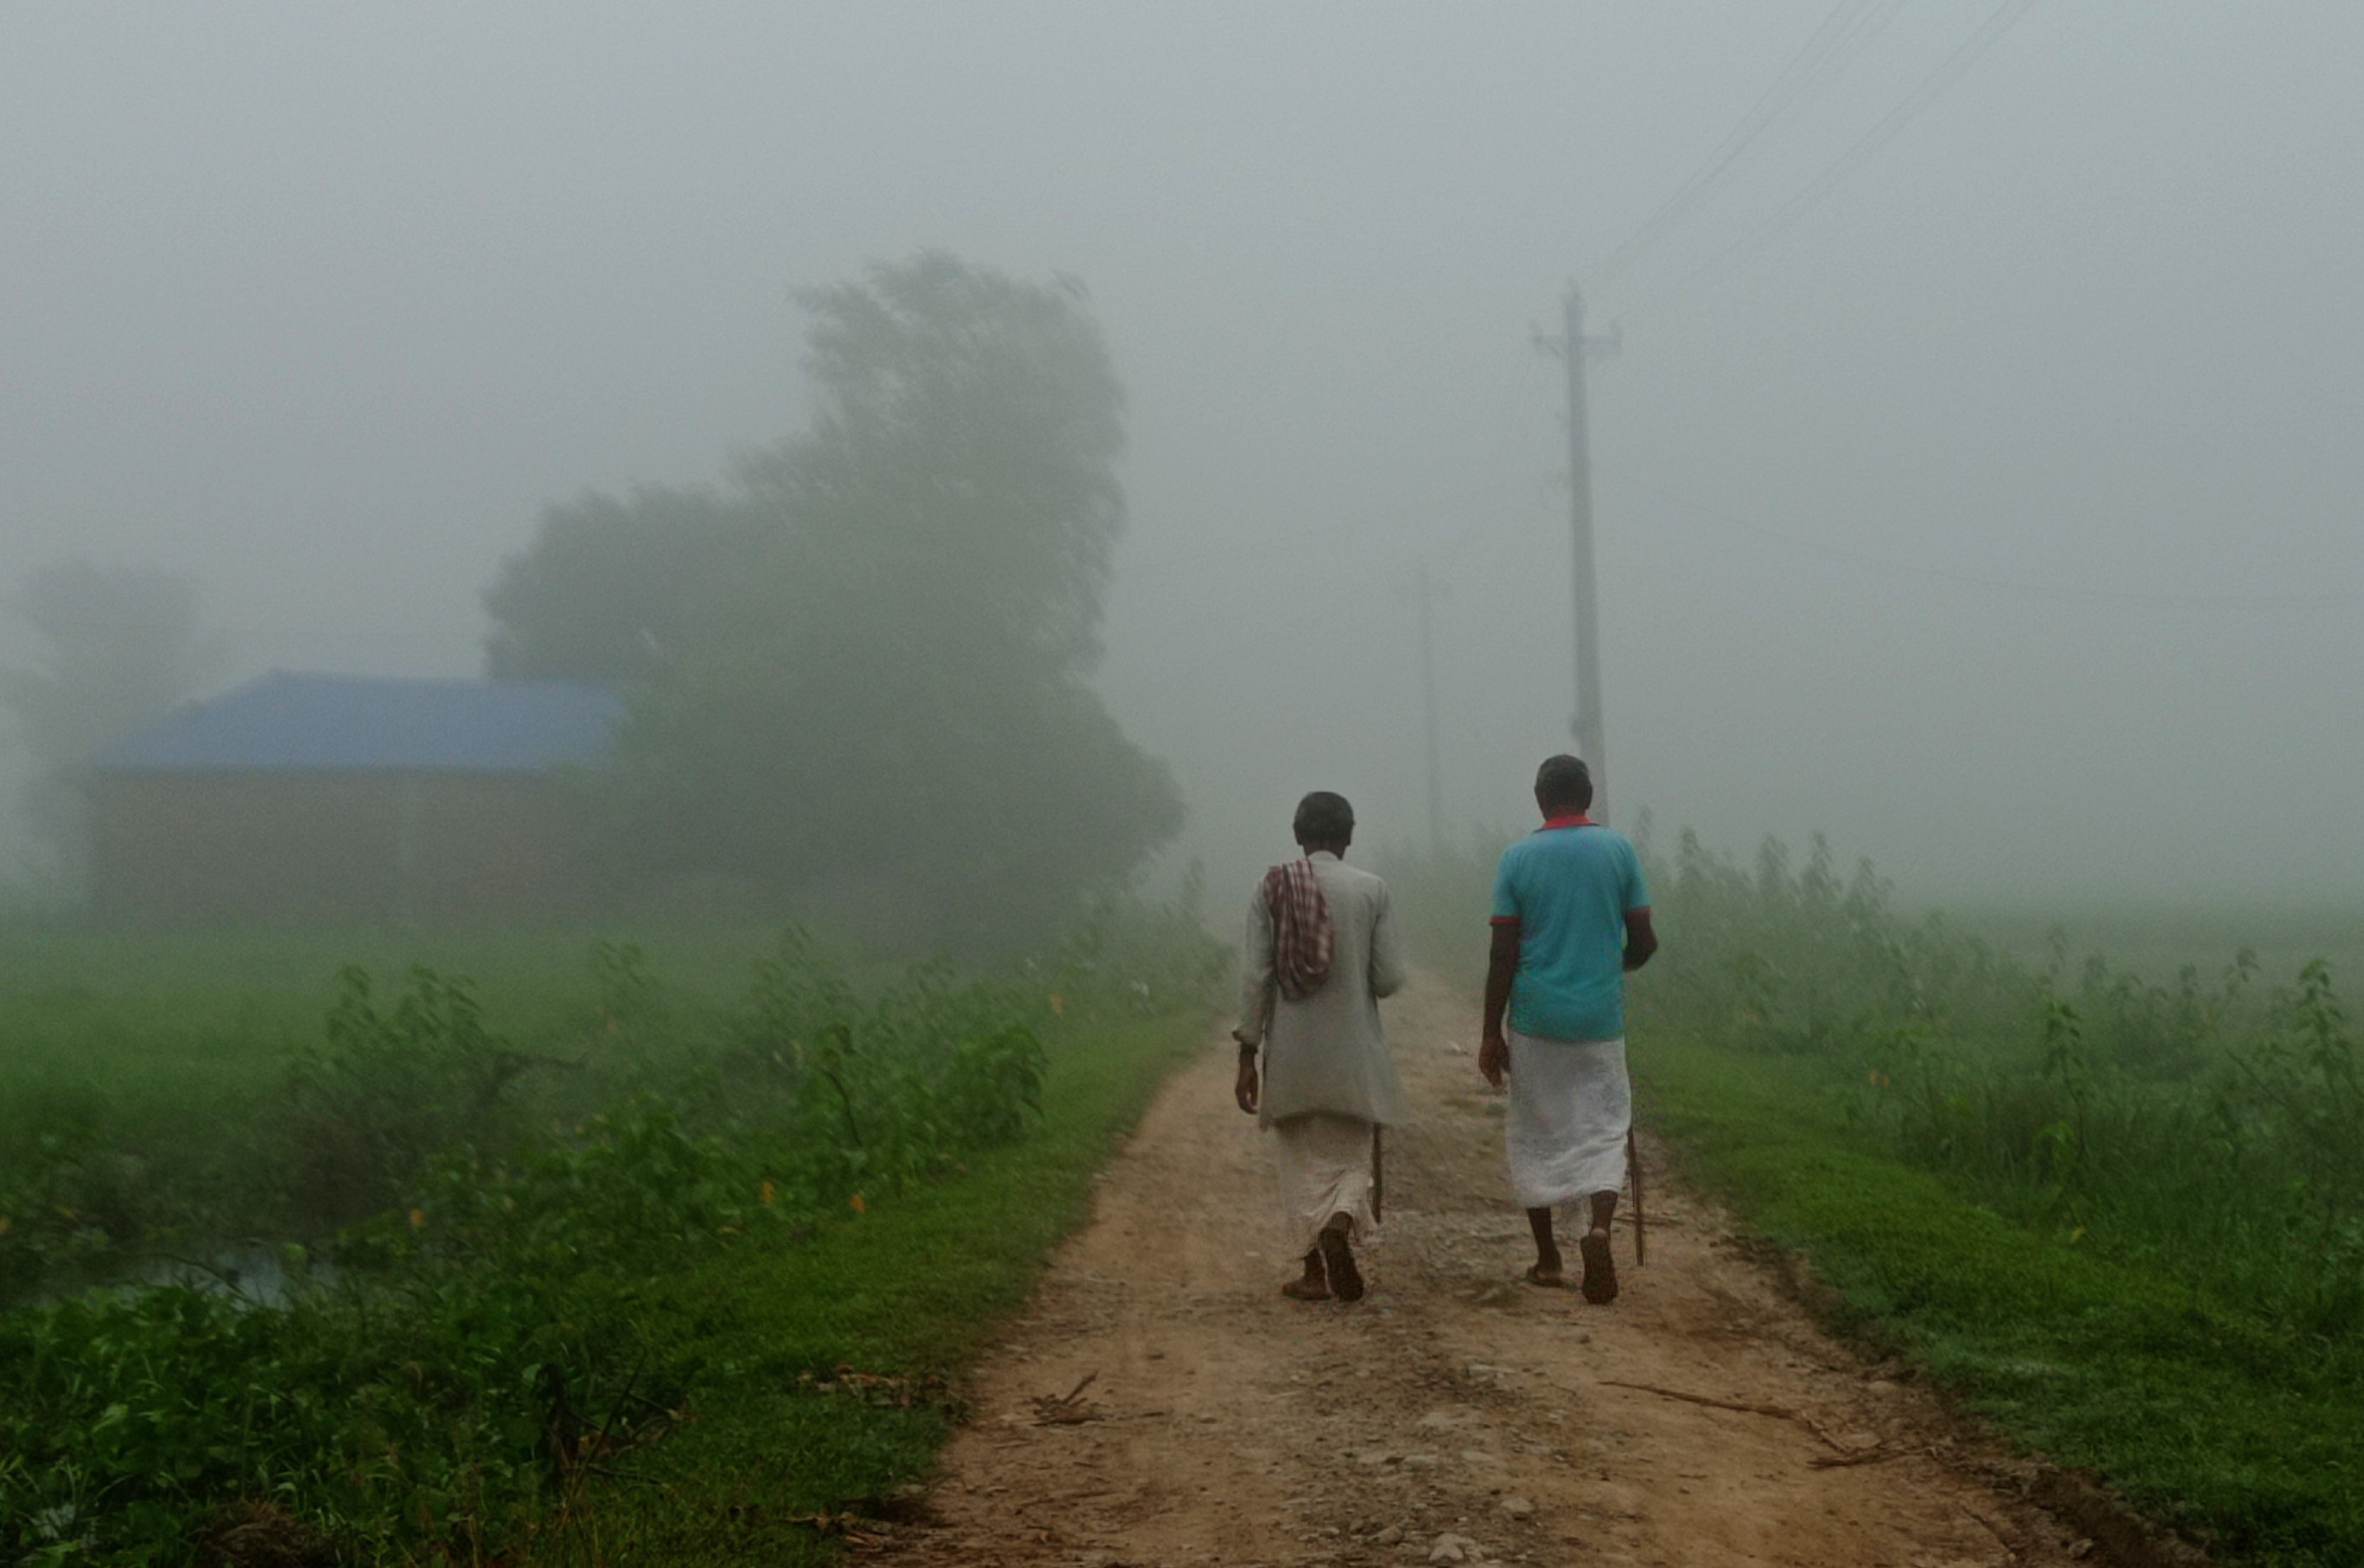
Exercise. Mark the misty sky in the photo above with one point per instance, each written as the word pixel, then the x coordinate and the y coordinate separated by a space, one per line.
pixel 1997 513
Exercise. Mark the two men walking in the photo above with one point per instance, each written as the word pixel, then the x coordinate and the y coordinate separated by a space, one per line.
pixel 1570 917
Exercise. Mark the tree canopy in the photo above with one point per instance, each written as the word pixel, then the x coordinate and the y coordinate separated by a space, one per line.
pixel 858 667
pixel 609 589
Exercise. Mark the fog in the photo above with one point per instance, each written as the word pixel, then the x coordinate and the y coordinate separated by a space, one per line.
pixel 1991 507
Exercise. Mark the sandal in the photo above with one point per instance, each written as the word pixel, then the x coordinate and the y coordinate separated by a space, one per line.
pixel 1345 1279
pixel 1600 1269
pixel 1554 1280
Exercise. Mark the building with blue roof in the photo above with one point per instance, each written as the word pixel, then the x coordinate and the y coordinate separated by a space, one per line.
pixel 349 797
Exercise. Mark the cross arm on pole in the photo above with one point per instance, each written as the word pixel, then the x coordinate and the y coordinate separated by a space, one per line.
pixel 1597 345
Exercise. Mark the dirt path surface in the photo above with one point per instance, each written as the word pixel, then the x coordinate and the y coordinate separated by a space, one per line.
pixel 1454 1415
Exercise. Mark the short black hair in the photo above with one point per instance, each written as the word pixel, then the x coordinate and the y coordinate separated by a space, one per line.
pixel 1324 818
pixel 1564 780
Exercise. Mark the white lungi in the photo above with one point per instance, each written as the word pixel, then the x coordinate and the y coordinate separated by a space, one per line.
pixel 1325 1168
pixel 1571 1106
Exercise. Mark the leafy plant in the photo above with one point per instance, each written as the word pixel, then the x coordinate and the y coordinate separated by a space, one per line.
pixel 491 1333
pixel 391 1088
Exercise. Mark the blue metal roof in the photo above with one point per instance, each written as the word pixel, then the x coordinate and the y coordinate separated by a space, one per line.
pixel 345 723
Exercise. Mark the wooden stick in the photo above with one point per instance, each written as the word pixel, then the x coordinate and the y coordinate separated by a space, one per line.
pixel 1634 1175
pixel 1779 1412
pixel 1712 1403
pixel 1065 1409
pixel 1878 1453
pixel 1379 1177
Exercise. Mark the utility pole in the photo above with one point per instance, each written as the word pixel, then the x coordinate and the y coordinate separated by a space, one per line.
pixel 1591 733
pixel 1428 592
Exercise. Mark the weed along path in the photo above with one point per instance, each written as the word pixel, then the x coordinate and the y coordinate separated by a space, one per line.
pixel 1161 1404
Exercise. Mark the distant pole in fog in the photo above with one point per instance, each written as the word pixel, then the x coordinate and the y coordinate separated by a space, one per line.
pixel 1588 727
pixel 1428 592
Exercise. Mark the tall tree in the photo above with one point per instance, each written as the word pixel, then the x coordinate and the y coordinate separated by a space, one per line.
pixel 875 656
pixel 120 647
pixel 964 450
pixel 608 588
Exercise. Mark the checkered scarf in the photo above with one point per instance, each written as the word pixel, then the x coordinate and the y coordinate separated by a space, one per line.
pixel 1301 938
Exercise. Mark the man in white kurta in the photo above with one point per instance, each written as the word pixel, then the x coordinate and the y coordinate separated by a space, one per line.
pixel 1328 1084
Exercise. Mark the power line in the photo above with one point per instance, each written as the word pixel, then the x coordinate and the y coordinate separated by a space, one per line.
pixel 1514 424
pixel 1862 150
pixel 1843 33
pixel 1881 564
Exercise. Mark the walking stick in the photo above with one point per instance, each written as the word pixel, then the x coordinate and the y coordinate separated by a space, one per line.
pixel 1634 1175
pixel 1378 1178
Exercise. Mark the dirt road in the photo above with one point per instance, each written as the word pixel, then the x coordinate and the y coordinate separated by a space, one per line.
pixel 1454 1415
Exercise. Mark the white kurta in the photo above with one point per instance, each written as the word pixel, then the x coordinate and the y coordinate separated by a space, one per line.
pixel 1329 1081
pixel 1327 1052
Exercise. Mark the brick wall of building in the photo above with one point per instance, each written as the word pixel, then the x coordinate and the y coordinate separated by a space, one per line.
pixel 170 848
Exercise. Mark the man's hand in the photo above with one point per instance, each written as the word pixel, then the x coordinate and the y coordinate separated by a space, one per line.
pixel 1641 939
pixel 1494 1059
pixel 1501 972
pixel 1245 1089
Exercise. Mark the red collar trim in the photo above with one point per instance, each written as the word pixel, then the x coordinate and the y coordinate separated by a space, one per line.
pixel 1573 819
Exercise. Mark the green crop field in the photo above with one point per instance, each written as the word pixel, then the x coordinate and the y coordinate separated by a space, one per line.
pixel 2098 1176
pixel 551 1247
pixel 528 1245
pixel 2155 941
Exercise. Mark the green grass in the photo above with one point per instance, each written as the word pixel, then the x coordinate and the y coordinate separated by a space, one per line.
pixel 175 1047
pixel 2118 1213
pixel 173 981
pixel 2249 1436
pixel 135 1027
pixel 912 1289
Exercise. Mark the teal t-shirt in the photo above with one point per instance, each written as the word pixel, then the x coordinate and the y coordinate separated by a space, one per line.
pixel 1569 887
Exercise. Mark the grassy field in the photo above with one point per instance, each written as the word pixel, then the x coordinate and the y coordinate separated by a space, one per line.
pixel 673 1252
pixel 150 1069
pixel 2154 941
pixel 2099 1173
pixel 154 1016
pixel 905 1296
pixel 669 1250
pixel 2210 1418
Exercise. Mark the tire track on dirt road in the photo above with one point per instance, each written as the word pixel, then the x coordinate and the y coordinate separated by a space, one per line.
pixel 1454 1415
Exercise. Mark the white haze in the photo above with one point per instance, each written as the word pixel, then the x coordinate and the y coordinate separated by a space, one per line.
pixel 1999 516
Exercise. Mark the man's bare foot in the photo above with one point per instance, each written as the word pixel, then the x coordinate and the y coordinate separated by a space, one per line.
pixel 1548 1271
pixel 1338 1259
pixel 1313 1285
pixel 1600 1267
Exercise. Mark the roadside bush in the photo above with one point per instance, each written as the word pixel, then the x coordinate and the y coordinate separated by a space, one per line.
pixel 391 1088
pixel 2180 1121
pixel 2215 1119
pixel 437 1382
pixel 1132 956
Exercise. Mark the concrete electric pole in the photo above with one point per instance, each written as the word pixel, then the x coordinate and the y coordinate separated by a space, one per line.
pixel 1591 739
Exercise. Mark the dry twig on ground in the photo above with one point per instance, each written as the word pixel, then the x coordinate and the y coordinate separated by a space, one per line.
pixel 1065 1409
pixel 1779 1412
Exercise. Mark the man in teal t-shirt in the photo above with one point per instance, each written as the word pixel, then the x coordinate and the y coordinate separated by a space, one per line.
pixel 1571 916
